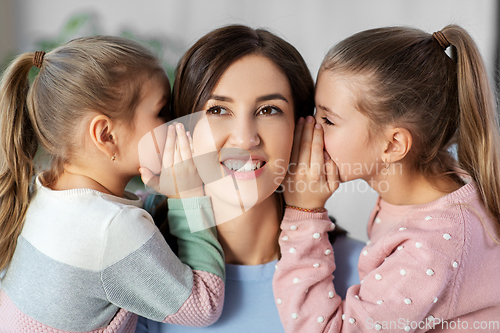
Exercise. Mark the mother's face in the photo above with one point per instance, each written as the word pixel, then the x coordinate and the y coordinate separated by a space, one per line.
pixel 249 121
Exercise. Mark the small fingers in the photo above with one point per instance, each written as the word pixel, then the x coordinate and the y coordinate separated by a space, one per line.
pixel 168 152
pixel 183 142
pixel 190 139
pixel 149 178
pixel 177 152
pixel 332 175
pixel 326 156
pixel 317 156
pixel 306 141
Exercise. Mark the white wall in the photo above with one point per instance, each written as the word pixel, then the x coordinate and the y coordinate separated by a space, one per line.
pixel 7 40
pixel 312 26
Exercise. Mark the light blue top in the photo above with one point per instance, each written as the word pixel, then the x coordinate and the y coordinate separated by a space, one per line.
pixel 249 304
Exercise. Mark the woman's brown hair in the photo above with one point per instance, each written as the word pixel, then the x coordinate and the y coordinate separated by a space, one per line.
pixel 101 74
pixel 405 78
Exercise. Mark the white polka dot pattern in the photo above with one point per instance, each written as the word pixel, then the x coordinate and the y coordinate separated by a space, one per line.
pixel 409 256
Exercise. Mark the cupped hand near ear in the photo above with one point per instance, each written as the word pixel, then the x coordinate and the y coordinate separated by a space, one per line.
pixel 179 176
pixel 312 175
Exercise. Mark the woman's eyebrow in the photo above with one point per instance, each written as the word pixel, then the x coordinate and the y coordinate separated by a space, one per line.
pixel 271 97
pixel 220 98
pixel 328 110
pixel 259 99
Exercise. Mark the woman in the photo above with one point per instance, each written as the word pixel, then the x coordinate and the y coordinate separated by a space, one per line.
pixel 252 87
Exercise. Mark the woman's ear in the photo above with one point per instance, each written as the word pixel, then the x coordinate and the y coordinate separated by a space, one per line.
pixel 101 128
pixel 399 141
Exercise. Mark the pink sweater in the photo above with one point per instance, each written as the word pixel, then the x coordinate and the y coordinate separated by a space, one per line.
pixel 431 266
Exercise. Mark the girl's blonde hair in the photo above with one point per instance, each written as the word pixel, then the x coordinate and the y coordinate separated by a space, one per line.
pixel 403 76
pixel 100 74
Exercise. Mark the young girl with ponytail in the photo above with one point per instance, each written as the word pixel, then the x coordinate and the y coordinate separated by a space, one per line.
pixel 81 255
pixel 393 107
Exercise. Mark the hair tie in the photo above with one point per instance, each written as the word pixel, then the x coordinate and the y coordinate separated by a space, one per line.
pixel 38 58
pixel 441 39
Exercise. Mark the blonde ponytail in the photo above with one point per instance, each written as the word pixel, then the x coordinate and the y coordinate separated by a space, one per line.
pixel 18 146
pixel 478 135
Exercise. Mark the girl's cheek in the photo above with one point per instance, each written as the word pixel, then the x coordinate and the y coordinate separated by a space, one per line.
pixel 328 145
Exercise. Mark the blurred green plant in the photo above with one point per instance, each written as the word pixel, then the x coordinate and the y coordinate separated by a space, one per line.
pixel 167 49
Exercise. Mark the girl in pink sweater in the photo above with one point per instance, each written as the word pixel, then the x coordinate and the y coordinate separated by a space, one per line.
pixel 420 127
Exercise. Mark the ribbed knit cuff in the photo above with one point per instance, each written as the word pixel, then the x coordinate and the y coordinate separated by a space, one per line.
pixel 297 215
pixel 190 203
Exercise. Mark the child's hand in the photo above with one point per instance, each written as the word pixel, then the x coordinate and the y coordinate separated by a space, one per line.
pixel 312 176
pixel 179 177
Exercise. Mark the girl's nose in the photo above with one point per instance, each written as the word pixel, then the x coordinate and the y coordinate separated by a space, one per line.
pixel 244 135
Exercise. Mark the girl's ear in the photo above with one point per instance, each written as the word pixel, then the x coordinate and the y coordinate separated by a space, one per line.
pixel 101 128
pixel 399 141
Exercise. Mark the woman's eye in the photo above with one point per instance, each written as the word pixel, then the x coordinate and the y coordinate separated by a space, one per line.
pixel 217 110
pixel 269 110
pixel 327 121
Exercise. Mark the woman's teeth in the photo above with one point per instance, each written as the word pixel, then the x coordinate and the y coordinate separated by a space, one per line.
pixel 243 166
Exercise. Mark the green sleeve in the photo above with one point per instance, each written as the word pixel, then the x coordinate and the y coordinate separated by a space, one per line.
pixel 192 221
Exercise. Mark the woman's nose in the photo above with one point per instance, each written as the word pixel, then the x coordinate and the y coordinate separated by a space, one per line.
pixel 244 135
